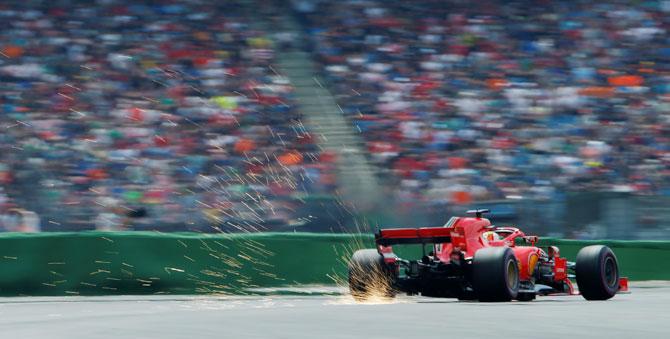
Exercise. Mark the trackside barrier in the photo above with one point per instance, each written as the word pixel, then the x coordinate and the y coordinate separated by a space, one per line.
pixel 95 263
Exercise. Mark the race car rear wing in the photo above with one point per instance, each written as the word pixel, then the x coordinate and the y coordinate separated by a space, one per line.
pixel 423 235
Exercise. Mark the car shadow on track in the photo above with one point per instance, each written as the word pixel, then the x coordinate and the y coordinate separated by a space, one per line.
pixel 475 302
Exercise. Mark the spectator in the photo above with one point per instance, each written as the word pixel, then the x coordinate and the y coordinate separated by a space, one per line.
pixel 169 107
pixel 463 101
pixel 19 220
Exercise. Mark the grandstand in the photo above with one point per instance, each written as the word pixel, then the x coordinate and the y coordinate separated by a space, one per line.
pixel 245 116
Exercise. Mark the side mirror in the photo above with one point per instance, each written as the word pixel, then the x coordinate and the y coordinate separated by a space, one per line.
pixel 532 239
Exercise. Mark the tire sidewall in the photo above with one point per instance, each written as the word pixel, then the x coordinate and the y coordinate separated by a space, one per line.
pixel 606 254
pixel 510 260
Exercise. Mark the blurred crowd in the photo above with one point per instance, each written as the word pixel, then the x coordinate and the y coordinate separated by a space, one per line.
pixel 129 114
pixel 133 114
pixel 463 101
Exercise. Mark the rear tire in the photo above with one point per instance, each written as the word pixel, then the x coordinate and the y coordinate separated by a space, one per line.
pixel 495 274
pixel 597 272
pixel 369 276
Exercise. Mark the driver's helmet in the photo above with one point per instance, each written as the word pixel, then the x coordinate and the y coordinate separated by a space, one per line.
pixel 490 236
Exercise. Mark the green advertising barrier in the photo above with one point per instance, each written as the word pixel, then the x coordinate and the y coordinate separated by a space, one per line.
pixel 145 262
pixel 89 263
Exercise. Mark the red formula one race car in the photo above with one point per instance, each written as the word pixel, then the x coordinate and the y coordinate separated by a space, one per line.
pixel 474 260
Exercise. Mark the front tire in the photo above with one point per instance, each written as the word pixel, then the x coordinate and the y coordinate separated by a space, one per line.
pixel 495 274
pixel 369 276
pixel 597 272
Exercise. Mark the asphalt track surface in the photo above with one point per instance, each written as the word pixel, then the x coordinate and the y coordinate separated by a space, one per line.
pixel 643 314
